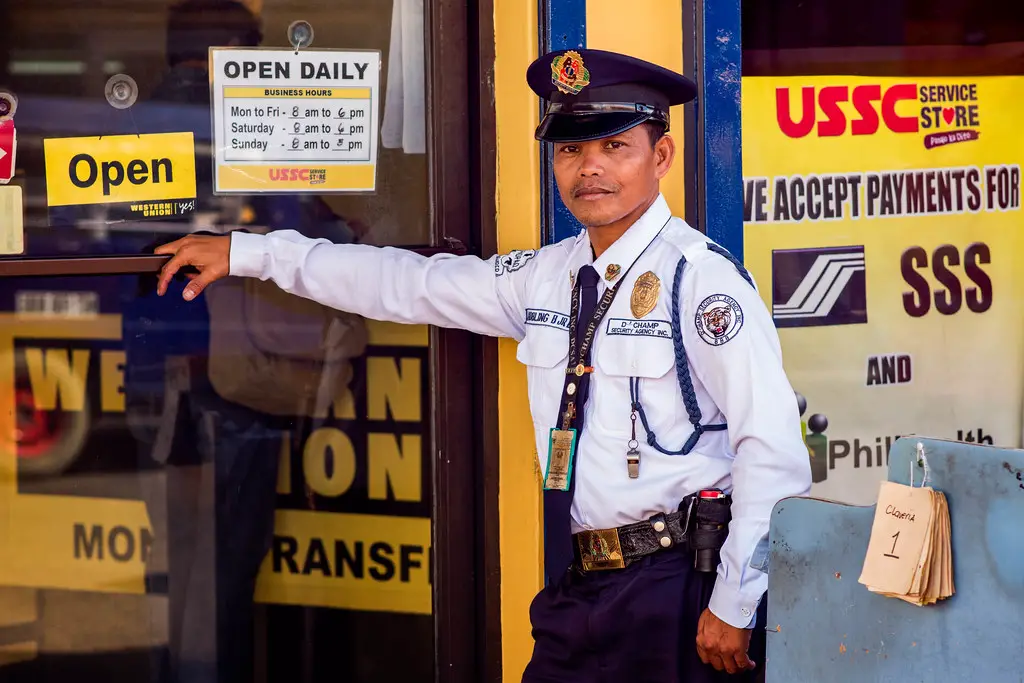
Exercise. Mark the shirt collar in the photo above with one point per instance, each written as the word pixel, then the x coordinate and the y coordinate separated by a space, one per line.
pixel 627 249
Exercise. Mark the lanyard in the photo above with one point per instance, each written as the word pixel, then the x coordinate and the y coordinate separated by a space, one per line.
pixel 576 357
pixel 576 365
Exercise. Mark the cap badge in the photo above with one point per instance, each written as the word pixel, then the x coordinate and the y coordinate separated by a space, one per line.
pixel 645 294
pixel 568 73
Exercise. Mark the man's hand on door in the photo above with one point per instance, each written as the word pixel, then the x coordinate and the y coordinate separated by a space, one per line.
pixel 210 255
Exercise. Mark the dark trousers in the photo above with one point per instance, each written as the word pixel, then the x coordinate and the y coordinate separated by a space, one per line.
pixel 636 624
pixel 215 517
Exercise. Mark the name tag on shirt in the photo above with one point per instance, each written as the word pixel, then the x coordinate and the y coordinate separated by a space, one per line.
pixel 539 316
pixel 640 328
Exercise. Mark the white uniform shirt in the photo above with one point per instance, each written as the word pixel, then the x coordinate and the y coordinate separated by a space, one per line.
pixel 526 295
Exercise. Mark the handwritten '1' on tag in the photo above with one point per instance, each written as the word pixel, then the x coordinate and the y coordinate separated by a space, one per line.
pixel 903 521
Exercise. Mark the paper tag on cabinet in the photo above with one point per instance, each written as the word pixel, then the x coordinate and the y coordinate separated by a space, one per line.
pixel 902 525
pixel 909 554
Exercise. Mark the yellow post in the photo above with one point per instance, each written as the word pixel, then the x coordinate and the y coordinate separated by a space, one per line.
pixel 654 32
pixel 518 220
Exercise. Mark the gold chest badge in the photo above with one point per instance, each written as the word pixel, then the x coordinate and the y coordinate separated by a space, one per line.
pixel 645 294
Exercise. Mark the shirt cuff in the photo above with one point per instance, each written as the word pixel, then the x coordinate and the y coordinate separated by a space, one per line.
pixel 735 607
pixel 247 254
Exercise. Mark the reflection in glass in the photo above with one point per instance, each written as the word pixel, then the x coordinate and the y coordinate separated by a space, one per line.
pixel 234 489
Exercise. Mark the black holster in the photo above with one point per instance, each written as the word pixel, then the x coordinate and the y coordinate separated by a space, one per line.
pixel 707 529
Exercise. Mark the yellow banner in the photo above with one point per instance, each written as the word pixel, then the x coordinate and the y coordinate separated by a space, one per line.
pixel 119 169
pixel 76 543
pixel 362 562
pixel 347 561
pixel 881 223
pixel 320 559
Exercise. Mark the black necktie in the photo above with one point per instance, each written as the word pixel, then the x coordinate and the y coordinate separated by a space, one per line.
pixel 558 553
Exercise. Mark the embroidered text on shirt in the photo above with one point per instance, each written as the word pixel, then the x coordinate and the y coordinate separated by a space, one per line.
pixel 539 316
pixel 640 328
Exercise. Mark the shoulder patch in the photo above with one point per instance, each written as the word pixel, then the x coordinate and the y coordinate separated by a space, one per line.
pixel 718 319
pixel 512 261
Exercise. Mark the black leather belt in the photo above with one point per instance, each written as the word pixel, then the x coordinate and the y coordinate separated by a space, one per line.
pixel 601 549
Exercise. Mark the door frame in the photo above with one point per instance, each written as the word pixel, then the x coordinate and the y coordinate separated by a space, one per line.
pixel 713 147
pixel 464 452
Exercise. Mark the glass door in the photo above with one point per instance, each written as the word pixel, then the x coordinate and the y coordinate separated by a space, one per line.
pixel 185 493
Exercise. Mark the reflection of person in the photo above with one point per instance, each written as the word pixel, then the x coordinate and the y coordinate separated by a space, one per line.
pixel 685 299
pixel 193 26
pixel 215 528
pixel 213 535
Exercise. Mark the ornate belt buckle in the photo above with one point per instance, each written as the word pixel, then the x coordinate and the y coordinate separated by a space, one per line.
pixel 600 550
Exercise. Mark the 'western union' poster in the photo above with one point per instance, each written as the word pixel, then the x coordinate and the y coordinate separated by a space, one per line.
pixel 881 221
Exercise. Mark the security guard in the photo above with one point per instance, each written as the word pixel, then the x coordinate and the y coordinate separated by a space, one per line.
pixel 648 349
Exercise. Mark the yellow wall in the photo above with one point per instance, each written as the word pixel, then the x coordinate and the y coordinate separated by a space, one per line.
pixel 518 204
pixel 653 32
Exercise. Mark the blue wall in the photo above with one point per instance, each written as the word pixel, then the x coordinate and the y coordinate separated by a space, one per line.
pixel 563 27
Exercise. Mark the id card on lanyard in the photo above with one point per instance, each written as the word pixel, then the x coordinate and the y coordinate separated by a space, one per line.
pixel 561 448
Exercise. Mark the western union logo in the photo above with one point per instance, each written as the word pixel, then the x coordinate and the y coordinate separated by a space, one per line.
pixel 121 168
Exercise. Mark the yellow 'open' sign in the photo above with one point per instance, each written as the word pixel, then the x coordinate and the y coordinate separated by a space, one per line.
pixel 121 169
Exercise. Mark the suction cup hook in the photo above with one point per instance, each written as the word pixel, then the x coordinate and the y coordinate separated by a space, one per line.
pixel 8 105
pixel 121 91
pixel 300 34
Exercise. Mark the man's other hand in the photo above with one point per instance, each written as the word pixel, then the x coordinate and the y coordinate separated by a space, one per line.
pixel 721 645
pixel 210 255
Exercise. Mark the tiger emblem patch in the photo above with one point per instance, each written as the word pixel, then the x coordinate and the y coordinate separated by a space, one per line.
pixel 718 319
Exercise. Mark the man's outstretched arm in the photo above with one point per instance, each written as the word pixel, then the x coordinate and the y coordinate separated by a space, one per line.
pixel 381 283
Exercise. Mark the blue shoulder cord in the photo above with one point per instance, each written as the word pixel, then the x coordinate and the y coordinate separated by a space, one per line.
pixel 682 366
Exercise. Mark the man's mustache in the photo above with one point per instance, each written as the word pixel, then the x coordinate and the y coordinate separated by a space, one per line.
pixel 586 187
